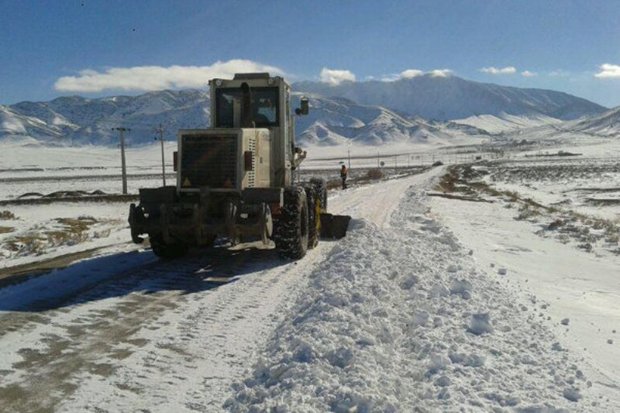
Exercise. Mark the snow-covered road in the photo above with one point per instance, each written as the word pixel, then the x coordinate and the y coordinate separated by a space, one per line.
pixel 395 317
pixel 89 335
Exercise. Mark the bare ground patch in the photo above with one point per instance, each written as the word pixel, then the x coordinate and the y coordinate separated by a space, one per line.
pixel 57 232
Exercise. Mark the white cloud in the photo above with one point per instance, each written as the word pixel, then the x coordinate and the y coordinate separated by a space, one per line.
pixel 559 73
pixel 409 73
pixel 335 77
pixel 508 70
pixel 608 71
pixel 390 78
pixel 440 72
pixel 406 74
pixel 527 73
pixel 145 78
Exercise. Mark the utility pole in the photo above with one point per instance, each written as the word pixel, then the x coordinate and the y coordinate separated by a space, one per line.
pixel 349 155
pixel 123 166
pixel 160 129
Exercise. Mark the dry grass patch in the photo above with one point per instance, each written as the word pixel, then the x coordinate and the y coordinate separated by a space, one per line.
pixel 374 173
pixel 566 225
pixel 6 215
pixel 26 244
pixel 66 232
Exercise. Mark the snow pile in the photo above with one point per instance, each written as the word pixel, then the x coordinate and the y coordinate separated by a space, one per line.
pixel 399 319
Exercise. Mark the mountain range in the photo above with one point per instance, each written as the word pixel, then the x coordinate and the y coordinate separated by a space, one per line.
pixel 451 97
pixel 80 120
pixel 420 109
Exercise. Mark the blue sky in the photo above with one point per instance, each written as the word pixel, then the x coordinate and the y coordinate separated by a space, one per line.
pixel 98 48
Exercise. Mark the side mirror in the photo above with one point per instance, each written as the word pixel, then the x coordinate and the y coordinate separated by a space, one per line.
pixel 304 106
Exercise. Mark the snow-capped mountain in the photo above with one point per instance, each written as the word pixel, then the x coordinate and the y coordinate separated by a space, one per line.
pixel 13 123
pixel 372 113
pixel 450 97
pixel 507 123
pixel 334 121
pixel 79 120
pixel 606 124
pixel 76 120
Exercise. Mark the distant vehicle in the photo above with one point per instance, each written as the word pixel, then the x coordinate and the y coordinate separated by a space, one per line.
pixel 236 178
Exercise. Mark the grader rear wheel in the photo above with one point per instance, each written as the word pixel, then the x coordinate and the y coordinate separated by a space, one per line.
pixel 321 190
pixel 314 212
pixel 291 231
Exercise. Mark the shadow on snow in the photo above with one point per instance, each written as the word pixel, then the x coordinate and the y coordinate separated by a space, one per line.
pixel 136 272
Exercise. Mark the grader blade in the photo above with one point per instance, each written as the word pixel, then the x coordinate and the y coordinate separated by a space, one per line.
pixel 334 226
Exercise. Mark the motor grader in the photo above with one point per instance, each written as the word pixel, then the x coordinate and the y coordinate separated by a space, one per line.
pixel 236 179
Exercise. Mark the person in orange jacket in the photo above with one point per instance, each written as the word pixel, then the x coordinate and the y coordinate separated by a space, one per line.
pixel 343 175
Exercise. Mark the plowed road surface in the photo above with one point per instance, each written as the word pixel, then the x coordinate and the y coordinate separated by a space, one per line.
pixel 129 332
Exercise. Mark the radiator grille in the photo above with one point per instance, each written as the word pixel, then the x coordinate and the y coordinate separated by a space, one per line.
pixel 209 161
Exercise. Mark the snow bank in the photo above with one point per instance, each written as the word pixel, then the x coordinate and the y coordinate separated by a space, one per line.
pixel 401 318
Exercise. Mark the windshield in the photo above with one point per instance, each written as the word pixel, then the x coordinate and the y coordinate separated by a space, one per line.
pixel 263 106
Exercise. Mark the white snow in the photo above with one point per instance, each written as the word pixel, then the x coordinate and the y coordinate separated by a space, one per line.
pixel 575 292
pixel 428 304
pixel 505 122
pixel 361 337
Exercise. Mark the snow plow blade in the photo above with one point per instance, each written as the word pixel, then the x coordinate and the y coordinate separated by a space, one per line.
pixel 334 226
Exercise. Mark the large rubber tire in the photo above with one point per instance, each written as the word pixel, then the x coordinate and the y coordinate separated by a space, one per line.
pixel 314 213
pixel 291 230
pixel 321 189
pixel 167 251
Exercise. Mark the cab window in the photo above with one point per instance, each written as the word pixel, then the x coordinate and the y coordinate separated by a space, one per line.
pixel 264 106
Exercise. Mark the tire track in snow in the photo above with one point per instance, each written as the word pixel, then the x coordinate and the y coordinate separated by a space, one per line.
pixel 89 332
pixel 376 203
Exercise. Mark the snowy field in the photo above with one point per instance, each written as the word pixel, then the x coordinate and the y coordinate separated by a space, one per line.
pixel 487 286
pixel 32 232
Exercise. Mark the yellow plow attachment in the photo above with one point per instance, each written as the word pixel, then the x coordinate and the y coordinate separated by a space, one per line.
pixel 334 226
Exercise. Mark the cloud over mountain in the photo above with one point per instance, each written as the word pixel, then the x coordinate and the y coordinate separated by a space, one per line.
pixel 508 70
pixel 409 73
pixel 335 77
pixel 148 78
